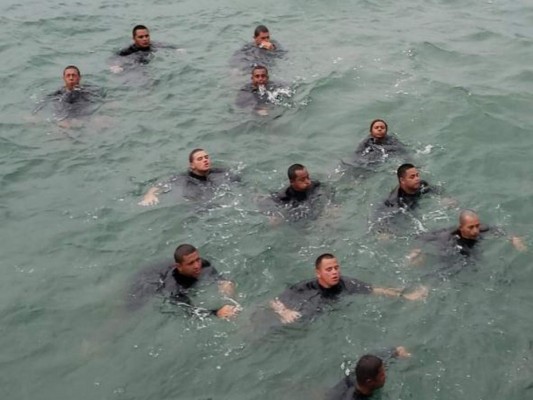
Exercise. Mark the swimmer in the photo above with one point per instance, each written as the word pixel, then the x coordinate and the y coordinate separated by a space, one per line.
pixel 142 48
pixel 73 100
pixel 462 239
pixel 200 176
pixel 263 50
pixel 378 145
pixel 409 190
pixel 181 278
pixel 260 91
pixel 369 375
pixel 302 199
pixel 307 298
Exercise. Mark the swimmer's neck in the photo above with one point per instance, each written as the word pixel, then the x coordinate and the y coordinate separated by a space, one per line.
pixel 199 173
pixel 408 191
pixel 365 391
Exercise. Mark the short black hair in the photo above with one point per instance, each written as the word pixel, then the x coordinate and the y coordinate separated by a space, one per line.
pixel 367 368
pixel 256 67
pixel 402 169
pixel 72 67
pixel 291 172
pixel 183 250
pixel 327 256
pixel 138 28
pixel 192 153
pixel 260 29
pixel 378 120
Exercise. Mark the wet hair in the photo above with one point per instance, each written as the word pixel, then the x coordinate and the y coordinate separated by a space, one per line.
pixel 183 250
pixel 72 67
pixel 138 28
pixel 260 29
pixel 367 368
pixel 465 214
pixel 192 153
pixel 326 256
pixel 257 67
pixel 378 120
pixel 291 172
pixel 402 169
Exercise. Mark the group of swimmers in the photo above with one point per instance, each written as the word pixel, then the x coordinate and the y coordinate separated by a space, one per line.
pixel 303 198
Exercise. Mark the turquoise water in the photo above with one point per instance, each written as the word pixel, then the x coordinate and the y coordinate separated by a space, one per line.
pixel 454 81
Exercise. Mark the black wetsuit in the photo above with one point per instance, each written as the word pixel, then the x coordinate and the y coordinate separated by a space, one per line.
pixel 309 298
pixel 251 96
pixel 250 55
pixel 400 199
pixel 309 204
pixel 165 279
pixel 78 102
pixel 449 240
pixel 196 187
pixel 143 55
pixel 346 390
pixel 372 150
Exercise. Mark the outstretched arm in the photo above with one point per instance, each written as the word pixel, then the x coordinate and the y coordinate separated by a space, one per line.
pixel 286 315
pixel 518 243
pixel 151 197
pixel 419 293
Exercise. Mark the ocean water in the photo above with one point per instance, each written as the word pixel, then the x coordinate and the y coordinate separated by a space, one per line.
pixel 452 78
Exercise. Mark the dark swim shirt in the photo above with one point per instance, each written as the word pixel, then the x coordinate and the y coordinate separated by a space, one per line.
pixel 372 150
pixel 309 298
pixel 398 198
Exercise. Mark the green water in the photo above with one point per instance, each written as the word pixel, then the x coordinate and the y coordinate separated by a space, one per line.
pixel 452 78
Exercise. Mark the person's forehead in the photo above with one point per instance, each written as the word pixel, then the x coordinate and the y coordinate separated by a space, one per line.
pixel 379 123
pixel 190 257
pixel 412 171
pixel 260 71
pixel 200 154
pixel 301 173
pixel 141 32
pixel 328 262
pixel 71 71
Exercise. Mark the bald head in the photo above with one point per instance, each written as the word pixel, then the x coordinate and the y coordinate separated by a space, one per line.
pixel 469 224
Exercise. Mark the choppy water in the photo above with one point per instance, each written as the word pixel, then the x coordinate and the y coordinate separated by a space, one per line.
pixel 452 78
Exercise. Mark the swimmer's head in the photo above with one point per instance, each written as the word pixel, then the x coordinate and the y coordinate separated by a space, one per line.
pixel 199 162
pixel 299 177
pixel 188 261
pixel 370 373
pixel 328 271
pixel 261 34
pixel 378 129
pixel 141 36
pixel 409 178
pixel 259 76
pixel 469 224
pixel 71 77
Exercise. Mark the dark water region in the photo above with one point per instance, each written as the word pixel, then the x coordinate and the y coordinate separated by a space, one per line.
pixel 453 81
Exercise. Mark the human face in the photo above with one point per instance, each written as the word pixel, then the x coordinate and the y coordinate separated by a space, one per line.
pixel 142 38
pixel 259 77
pixel 469 229
pixel 190 265
pixel 72 78
pixel 262 37
pixel 410 182
pixel 328 272
pixel 200 163
pixel 302 181
pixel 378 130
